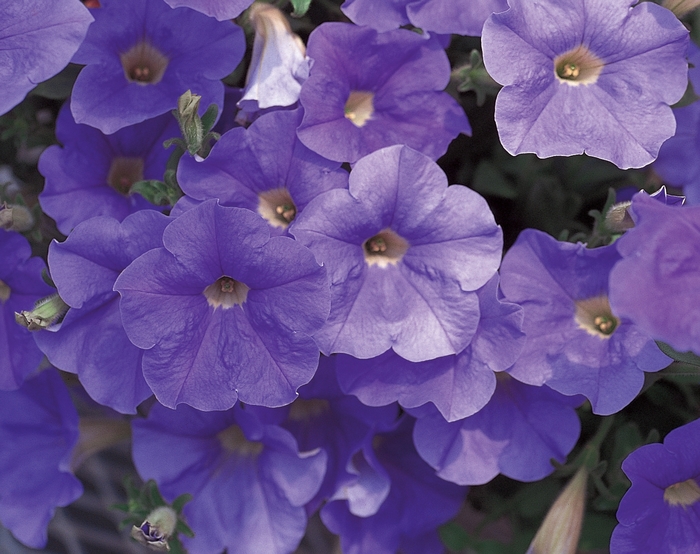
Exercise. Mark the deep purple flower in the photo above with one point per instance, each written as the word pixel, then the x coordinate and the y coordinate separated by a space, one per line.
pixel 517 434
pixel 248 480
pixel 439 16
pixel 458 385
pixel 396 503
pixel 220 9
pixel 657 283
pixel 660 513
pixel 38 39
pixel 91 341
pixel 405 254
pixel 368 90
pixel 264 168
pixel 586 76
pixel 38 430
pixel 141 55
pixel 218 309
pixel 325 418
pixel 20 286
pixel 575 343
pixel 92 173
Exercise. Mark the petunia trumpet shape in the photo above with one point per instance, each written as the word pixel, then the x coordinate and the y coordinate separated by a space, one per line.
pixel 593 76
pixel 405 254
pixel 369 90
pixel 660 513
pixel 576 343
pixel 217 310
pixel 141 55
pixel 656 282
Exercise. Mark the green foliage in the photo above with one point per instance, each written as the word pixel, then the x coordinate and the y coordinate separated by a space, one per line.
pixel 300 7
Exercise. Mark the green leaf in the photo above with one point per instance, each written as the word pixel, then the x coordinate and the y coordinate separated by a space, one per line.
pixel 489 180
pixel 689 358
pixel 300 7
pixel 453 536
pixel 183 528
pixel 209 118
pixel 158 193
pixel 154 494
pixel 59 86
pixel 180 501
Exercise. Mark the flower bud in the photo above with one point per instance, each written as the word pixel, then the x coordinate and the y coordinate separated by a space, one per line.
pixel 189 120
pixel 14 217
pixel 618 219
pixel 47 312
pixel 156 529
pixel 561 528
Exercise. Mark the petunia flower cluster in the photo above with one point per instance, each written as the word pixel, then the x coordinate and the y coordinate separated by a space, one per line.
pixel 321 321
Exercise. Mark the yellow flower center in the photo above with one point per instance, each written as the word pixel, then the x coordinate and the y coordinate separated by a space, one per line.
pixel 226 292
pixel 595 317
pixel 359 107
pixel 385 248
pixel 682 494
pixel 144 64
pixel 124 172
pixel 578 66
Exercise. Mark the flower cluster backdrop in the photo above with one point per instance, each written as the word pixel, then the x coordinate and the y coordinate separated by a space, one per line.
pixel 424 272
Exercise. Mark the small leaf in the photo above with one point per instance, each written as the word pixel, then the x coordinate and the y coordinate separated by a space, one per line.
pixel 183 528
pixel 689 358
pixel 209 118
pixel 300 7
pixel 180 501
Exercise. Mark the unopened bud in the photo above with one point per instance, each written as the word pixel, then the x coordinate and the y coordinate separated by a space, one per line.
pixel 189 120
pixel 561 528
pixel 47 312
pixel 618 218
pixel 156 529
pixel 680 7
pixel 14 217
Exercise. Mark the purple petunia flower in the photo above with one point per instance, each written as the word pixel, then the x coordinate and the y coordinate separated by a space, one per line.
pixel 20 286
pixel 37 40
pixel 517 434
pixel 220 9
pixel 141 55
pixel 218 311
pixel 458 385
pixel 656 284
pixel 248 480
pixel 587 76
pixel 396 503
pixel 368 90
pixel 91 341
pixel 575 343
pixel 264 168
pixel 678 163
pixel 323 417
pixel 38 431
pixel 93 173
pixel 660 513
pixel 405 254
pixel 439 16
pixel 679 158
